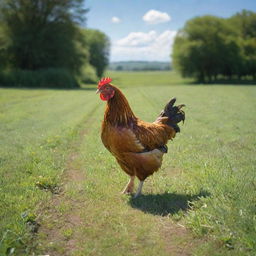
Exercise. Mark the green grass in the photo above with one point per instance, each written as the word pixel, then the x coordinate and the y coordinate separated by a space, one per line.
pixel 207 181
pixel 36 128
pixel 148 78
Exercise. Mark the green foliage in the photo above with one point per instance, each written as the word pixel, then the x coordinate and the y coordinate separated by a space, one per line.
pixel 88 74
pixel 99 45
pixel 210 47
pixel 42 44
pixel 244 24
pixel 51 78
pixel 42 33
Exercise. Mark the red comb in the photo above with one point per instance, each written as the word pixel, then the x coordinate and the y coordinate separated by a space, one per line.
pixel 103 81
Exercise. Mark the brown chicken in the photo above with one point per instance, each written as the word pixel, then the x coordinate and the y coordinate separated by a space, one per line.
pixel 138 146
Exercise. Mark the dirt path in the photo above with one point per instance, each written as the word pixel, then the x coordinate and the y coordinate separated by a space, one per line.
pixel 59 231
pixel 65 232
pixel 89 217
pixel 60 224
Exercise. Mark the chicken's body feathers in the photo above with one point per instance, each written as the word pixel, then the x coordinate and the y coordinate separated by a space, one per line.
pixel 138 146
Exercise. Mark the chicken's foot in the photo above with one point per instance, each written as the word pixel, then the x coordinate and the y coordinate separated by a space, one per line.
pixel 138 193
pixel 129 187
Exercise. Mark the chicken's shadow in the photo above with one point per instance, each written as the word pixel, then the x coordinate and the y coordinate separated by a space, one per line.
pixel 166 203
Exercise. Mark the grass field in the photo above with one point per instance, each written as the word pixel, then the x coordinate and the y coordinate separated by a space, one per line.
pixel 60 188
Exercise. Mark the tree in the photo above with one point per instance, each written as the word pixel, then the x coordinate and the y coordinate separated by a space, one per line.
pixel 209 46
pixel 3 46
pixel 99 45
pixel 244 25
pixel 43 33
pixel 202 48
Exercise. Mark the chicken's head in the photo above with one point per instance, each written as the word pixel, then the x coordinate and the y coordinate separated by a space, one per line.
pixel 105 89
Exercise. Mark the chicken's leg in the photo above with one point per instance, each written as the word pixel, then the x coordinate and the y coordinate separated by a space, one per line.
pixel 139 189
pixel 129 187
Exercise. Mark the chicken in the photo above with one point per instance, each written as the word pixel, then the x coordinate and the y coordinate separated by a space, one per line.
pixel 138 146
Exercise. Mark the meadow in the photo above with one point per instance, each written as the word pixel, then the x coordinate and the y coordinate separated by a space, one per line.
pixel 60 188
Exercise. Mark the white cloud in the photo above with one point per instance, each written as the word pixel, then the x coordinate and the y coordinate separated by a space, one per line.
pixel 155 17
pixel 137 39
pixel 144 46
pixel 115 20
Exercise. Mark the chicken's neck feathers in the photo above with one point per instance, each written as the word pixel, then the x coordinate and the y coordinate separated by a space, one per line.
pixel 118 111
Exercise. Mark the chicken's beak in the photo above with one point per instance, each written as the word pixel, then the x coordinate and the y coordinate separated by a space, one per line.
pixel 98 91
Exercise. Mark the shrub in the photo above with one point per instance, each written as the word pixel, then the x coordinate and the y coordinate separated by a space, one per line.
pixel 43 78
pixel 88 74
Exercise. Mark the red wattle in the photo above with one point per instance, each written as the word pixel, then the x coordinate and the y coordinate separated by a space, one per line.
pixel 103 97
pixel 107 96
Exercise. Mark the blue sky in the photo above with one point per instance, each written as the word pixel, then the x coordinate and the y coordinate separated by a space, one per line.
pixel 145 29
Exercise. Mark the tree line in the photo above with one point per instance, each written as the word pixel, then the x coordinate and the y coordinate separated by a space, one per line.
pixel 139 66
pixel 45 43
pixel 210 48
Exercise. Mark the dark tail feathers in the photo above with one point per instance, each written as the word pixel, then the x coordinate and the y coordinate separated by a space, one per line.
pixel 174 114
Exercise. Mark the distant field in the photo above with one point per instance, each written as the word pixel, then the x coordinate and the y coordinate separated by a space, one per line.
pixel 155 78
pixel 55 172
pixel 139 65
